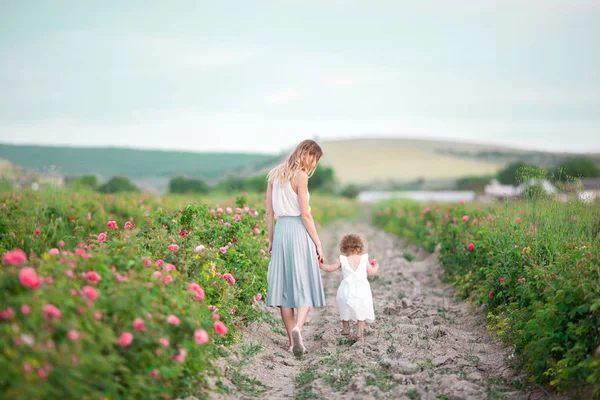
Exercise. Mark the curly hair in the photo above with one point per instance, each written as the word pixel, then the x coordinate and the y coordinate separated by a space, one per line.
pixel 351 244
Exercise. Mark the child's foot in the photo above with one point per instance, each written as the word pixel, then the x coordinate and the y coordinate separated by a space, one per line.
pixel 298 347
pixel 346 331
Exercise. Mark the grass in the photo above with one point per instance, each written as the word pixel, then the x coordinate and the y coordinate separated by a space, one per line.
pixel 383 380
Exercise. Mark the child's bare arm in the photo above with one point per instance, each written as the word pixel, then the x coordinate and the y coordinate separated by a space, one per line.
pixel 330 267
pixel 372 268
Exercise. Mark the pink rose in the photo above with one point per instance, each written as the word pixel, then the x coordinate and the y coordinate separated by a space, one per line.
pixel 155 374
pixel 164 342
pixel 29 278
pixel 73 335
pixel 199 249
pixel 159 263
pixel 220 328
pixel 102 237
pixel 147 262
pixel 167 279
pixel 98 316
pixel 139 325
pixel 61 243
pixel 258 296
pixel 25 309
pixel 128 225
pixel 126 339
pixel 237 217
pixel 50 312
pixel 173 320
pixel 229 278
pixel 90 293
pixel 465 218
pixel 181 356
pixel 174 248
pixel 223 249
pixel 201 336
pixel 93 277
pixel 229 210
pixel 470 247
pixel 112 225
pixel 53 251
pixel 169 267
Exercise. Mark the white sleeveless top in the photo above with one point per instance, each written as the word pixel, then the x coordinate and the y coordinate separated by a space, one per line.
pixel 285 200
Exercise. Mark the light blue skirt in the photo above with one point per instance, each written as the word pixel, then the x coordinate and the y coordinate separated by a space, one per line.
pixel 294 277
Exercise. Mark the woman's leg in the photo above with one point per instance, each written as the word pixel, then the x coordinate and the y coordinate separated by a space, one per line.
pixel 302 314
pixel 287 315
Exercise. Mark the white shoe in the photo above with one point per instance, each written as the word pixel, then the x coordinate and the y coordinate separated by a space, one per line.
pixel 298 347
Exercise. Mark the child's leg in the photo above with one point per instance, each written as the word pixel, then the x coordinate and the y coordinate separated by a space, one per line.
pixel 345 327
pixel 361 328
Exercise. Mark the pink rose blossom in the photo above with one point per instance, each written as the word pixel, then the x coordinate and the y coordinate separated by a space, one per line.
pixel 169 267
pixel 183 233
pixel 256 230
pixel 49 280
pixel 199 249
pixel 258 296
pixel 73 335
pixel 181 356
pixel 502 280
pixel 491 294
pixel 102 237
pixel 155 374
pixel 29 278
pixel 27 368
pixel 128 225
pixel 157 274
pixel 147 262
pixel 470 247
pixel 220 328
pixel 51 312
pixel 126 339
pixel 216 317
pixel 37 232
pixel 465 218
pixel 112 225
pixel 164 342
pixel 229 210
pixel 229 278
pixel 159 263
pixel 237 217
pixel 173 320
pixel 42 374
pixel 98 316
pixel 89 216
pixel 223 249
pixel 53 251
pixel 167 279
pixel 61 243
pixel 139 325
pixel 25 309
pixel 174 248
pixel 93 277
pixel 90 293
pixel 219 210
pixel 201 336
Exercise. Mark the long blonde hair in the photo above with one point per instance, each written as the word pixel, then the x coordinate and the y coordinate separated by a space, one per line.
pixel 286 171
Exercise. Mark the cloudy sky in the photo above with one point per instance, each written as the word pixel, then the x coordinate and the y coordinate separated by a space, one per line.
pixel 261 75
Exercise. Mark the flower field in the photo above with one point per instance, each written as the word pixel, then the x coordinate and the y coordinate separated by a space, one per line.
pixel 129 296
pixel 536 268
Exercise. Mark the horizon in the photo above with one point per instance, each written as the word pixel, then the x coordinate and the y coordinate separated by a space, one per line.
pixel 487 145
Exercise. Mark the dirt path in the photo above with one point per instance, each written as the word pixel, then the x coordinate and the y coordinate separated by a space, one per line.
pixel 423 344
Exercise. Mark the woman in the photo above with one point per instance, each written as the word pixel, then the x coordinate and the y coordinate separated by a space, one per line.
pixel 294 278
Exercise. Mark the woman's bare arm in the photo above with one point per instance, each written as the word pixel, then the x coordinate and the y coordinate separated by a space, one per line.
pixel 307 218
pixel 270 215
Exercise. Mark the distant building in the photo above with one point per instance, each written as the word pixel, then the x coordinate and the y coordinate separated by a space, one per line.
pixel 586 189
pixel 496 189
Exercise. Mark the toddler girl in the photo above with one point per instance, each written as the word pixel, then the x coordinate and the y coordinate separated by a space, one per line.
pixel 354 299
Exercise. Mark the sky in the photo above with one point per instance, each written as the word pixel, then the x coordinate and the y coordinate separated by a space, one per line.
pixel 259 76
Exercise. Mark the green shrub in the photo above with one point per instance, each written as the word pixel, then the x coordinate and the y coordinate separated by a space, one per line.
pixel 534 265
pixel 118 184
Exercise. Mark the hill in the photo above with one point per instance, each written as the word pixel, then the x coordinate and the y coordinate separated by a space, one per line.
pixel 404 160
pixel 144 165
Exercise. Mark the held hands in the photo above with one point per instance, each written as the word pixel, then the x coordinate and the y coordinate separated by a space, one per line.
pixel 320 257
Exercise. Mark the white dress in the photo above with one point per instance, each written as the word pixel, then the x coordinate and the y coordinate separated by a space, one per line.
pixel 354 298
